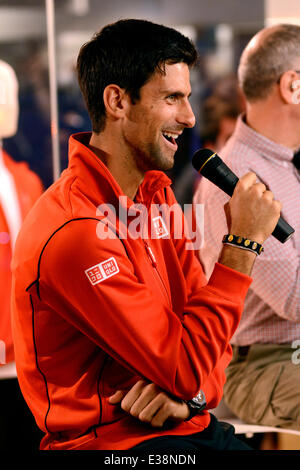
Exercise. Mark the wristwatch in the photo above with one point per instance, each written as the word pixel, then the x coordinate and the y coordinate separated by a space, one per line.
pixel 197 404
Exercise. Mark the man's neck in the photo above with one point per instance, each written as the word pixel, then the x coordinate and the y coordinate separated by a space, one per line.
pixel 120 166
pixel 273 123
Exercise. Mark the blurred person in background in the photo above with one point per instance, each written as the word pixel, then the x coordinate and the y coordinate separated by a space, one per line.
pixel 219 120
pixel 264 375
pixel 19 189
pixel 34 103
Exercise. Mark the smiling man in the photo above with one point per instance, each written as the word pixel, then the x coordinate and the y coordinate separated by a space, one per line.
pixel 163 112
pixel 96 313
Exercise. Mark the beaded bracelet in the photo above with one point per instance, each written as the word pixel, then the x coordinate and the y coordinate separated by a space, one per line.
pixel 243 243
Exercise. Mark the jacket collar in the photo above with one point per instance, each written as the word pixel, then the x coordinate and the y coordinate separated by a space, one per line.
pixel 102 186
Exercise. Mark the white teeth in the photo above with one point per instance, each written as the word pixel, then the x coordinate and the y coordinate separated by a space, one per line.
pixel 169 134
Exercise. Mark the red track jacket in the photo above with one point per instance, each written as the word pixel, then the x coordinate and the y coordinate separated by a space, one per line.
pixel 92 313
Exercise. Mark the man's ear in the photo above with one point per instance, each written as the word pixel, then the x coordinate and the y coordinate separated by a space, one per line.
pixel 288 86
pixel 115 99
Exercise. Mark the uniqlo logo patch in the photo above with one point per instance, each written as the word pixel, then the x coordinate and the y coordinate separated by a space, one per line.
pixel 159 227
pixel 102 271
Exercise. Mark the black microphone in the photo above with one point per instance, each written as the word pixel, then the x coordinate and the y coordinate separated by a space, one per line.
pixel 212 167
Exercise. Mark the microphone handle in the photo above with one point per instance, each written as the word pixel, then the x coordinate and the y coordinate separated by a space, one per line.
pixel 226 180
pixel 283 231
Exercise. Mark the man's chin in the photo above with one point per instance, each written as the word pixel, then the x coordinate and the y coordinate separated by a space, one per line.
pixel 166 162
pixel 157 162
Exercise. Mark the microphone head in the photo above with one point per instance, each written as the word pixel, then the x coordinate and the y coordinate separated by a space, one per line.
pixel 212 167
pixel 200 158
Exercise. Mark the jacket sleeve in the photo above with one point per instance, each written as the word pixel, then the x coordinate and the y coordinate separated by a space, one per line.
pixel 123 317
pixel 195 281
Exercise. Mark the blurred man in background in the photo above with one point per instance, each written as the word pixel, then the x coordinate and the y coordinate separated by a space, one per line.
pixel 263 378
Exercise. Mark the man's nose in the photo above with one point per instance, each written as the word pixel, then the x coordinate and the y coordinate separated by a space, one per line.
pixel 186 116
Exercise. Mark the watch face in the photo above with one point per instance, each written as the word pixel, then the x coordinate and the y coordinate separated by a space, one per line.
pixel 198 402
pixel 195 405
pixel 199 398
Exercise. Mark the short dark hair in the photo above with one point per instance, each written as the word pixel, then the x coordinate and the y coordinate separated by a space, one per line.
pixel 127 53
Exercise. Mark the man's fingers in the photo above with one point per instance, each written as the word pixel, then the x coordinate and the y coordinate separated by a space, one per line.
pixel 259 188
pixel 117 397
pixel 148 403
pixel 128 397
pixel 161 409
pixel 136 402
pixel 247 180
pixel 148 412
pixel 253 210
pixel 133 395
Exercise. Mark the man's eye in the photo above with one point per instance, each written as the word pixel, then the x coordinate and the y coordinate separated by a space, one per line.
pixel 172 97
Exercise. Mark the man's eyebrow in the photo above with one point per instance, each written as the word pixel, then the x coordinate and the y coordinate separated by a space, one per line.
pixel 175 93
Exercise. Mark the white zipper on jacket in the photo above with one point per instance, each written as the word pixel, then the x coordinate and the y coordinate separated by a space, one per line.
pixel 154 264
